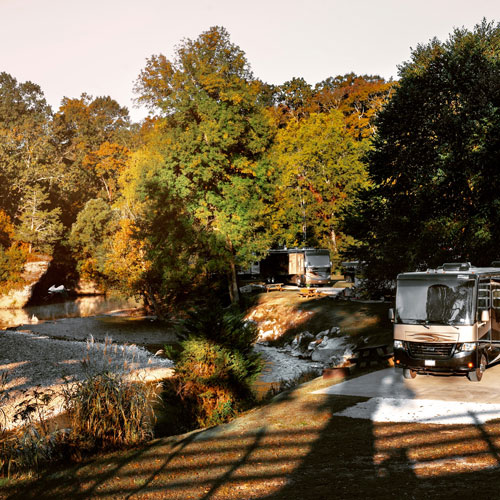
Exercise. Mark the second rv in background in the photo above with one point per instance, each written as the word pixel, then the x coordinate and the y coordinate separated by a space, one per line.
pixel 301 266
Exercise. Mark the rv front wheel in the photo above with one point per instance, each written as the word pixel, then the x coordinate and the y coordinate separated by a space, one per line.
pixel 477 374
pixel 409 374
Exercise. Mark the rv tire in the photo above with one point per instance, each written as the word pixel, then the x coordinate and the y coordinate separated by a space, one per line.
pixel 409 374
pixel 477 374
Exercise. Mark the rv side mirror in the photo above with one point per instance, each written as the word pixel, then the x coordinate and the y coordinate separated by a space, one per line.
pixel 391 314
pixel 485 316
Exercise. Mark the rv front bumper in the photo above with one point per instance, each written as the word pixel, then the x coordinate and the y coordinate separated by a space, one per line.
pixel 457 362
pixel 317 280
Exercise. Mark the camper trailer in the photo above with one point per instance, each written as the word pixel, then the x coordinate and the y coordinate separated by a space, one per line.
pixel 447 320
pixel 302 266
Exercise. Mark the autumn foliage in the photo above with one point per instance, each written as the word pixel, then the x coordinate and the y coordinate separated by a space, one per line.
pixel 225 167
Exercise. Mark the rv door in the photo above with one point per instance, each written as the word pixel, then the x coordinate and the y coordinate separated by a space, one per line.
pixel 296 264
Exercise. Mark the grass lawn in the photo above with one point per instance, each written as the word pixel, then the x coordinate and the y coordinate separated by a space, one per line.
pixel 295 447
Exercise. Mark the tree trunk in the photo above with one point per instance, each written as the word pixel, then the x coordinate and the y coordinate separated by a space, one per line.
pixel 334 240
pixel 234 292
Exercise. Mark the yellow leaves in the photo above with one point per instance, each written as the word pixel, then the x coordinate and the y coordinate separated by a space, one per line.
pixel 6 227
pixel 107 163
pixel 126 257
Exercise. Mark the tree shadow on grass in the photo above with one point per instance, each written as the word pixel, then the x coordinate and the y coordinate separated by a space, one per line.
pixel 299 446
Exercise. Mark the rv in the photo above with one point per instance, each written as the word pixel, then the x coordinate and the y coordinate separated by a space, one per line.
pixel 302 266
pixel 447 320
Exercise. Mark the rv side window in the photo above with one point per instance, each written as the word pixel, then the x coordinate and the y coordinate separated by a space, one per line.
pixel 483 296
pixel 495 294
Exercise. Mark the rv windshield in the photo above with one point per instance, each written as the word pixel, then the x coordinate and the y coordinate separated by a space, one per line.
pixel 446 300
pixel 317 260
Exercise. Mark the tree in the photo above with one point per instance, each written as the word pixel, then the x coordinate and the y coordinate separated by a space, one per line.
pixel 214 134
pixel 435 158
pixel 318 175
pixel 37 227
pixel 12 256
pixel 292 100
pixel 90 238
pixel 93 137
pixel 359 98
pixel 26 151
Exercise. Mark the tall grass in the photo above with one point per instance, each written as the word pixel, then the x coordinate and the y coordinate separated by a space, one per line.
pixel 105 410
pixel 108 411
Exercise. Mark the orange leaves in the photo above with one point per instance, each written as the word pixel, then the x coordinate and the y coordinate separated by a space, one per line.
pixel 107 163
pixel 126 257
pixel 6 229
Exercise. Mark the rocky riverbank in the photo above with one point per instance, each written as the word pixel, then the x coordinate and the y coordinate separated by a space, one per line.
pixel 33 362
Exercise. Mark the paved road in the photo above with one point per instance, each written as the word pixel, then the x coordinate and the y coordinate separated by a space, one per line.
pixel 438 399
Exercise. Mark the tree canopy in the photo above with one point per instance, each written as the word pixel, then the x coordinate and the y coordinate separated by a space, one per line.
pixel 435 158
pixel 214 133
pixel 319 174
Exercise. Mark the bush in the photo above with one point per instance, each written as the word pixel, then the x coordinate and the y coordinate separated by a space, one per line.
pixel 107 411
pixel 216 367
pixel 225 327
pixel 12 262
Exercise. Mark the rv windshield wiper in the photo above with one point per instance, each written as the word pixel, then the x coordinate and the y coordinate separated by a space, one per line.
pixel 447 323
pixel 423 322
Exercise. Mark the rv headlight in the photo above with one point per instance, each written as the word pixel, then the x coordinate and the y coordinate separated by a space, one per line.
pixel 468 346
pixel 398 344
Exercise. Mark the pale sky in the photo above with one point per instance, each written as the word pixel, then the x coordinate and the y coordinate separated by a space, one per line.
pixel 100 46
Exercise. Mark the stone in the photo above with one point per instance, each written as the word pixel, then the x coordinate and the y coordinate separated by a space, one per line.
pixel 329 350
pixel 17 299
pixel 322 334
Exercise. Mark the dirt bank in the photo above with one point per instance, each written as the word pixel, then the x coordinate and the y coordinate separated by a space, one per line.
pixel 282 315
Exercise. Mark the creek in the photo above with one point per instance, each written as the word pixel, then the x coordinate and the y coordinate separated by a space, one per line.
pixel 80 307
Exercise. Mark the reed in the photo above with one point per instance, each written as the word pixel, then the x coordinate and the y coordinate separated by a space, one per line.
pixel 105 410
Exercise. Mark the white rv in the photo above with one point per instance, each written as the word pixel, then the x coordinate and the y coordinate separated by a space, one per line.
pixel 447 320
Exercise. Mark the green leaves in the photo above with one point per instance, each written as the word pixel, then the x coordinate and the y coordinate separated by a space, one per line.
pixel 319 174
pixel 436 154
pixel 214 133
pixel 37 227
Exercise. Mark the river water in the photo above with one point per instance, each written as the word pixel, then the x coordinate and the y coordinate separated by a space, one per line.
pixel 81 307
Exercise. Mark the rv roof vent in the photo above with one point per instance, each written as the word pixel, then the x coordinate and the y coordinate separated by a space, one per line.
pixel 456 266
pixel 495 263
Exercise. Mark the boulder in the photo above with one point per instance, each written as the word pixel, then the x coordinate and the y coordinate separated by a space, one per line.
pixel 300 345
pixel 17 299
pixel 330 350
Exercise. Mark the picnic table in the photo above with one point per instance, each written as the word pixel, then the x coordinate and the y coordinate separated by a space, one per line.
pixel 373 354
pixel 311 292
pixel 274 286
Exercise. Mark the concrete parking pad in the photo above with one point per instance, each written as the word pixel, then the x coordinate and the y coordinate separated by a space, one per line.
pixel 427 398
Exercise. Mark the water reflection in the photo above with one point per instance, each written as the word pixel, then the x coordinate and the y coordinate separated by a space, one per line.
pixel 77 308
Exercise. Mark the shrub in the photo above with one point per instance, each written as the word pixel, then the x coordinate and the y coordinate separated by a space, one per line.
pixel 216 367
pixel 106 411
pixel 225 327
pixel 12 262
